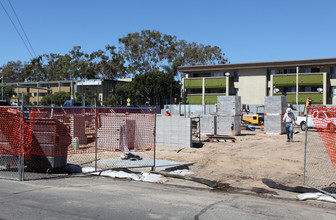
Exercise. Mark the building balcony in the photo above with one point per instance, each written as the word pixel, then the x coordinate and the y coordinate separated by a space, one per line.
pixel 315 96
pixel 196 99
pixel 305 79
pixel 210 83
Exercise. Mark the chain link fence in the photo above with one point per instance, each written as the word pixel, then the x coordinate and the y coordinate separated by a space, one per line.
pixel 320 149
pixel 44 142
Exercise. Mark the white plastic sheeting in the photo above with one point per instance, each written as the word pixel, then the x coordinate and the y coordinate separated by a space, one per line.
pixel 316 196
pixel 145 177
pixel 183 172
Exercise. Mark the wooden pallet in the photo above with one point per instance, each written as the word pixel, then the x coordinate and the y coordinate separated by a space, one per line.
pixel 218 138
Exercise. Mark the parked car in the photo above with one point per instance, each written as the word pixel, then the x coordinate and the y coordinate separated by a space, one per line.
pixel 324 120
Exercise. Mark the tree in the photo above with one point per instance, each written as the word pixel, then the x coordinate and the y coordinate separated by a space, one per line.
pixel 153 88
pixel 107 64
pixel 8 93
pixel 57 98
pixel 146 51
pixel 90 96
pixel 193 53
pixel 26 98
pixel 119 95
pixel 12 72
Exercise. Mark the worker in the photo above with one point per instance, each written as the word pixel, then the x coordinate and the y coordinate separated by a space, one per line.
pixel 289 118
pixel 167 113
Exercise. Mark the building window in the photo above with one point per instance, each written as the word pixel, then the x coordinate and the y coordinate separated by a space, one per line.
pixel 218 74
pixel 206 75
pixel 333 91
pixel 333 72
pixel 236 76
pixel 288 71
pixel 269 73
pixel 315 70
pixel 312 70
pixel 291 89
pixel 310 89
pixel 215 91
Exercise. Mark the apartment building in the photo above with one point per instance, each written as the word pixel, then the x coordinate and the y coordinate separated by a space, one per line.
pixel 100 86
pixel 296 79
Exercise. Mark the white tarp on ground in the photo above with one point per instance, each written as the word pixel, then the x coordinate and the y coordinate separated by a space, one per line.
pixel 183 172
pixel 145 177
pixel 316 196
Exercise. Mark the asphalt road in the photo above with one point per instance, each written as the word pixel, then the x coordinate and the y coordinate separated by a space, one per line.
pixel 106 198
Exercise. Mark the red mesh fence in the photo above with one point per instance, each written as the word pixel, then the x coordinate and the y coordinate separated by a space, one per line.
pixel 15 134
pixel 53 132
pixel 324 120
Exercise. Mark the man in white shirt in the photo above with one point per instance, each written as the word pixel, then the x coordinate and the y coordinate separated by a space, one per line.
pixel 289 118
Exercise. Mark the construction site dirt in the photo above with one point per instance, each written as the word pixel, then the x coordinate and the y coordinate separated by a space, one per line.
pixel 253 156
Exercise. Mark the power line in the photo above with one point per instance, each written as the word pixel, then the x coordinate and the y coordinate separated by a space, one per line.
pixel 16 29
pixel 22 28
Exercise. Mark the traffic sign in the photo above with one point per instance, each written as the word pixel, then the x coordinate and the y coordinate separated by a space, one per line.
pixel 128 100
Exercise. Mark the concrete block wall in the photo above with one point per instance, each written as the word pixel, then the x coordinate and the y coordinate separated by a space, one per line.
pixel 189 110
pixel 228 113
pixel 276 104
pixel 208 124
pixel 273 124
pixel 173 131
pixel 144 129
pixel 115 131
pixel 224 124
pixel 229 105
pixel 77 128
pixel 275 107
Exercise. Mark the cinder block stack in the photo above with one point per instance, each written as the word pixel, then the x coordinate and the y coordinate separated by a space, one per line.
pixel 275 108
pixel 208 124
pixel 228 114
pixel 116 132
pixel 173 132
pixel 77 128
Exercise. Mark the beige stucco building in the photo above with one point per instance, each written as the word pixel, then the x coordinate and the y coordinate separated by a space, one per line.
pixel 297 79
pixel 100 86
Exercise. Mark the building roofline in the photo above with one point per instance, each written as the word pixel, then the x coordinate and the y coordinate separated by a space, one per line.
pixel 257 65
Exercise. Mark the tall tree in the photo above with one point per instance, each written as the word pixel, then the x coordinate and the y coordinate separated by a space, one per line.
pixel 146 51
pixel 153 88
pixel 57 98
pixel 12 72
pixel 107 64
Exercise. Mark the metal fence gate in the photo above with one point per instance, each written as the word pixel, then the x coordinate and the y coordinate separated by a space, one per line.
pixel 320 150
pixel 40 142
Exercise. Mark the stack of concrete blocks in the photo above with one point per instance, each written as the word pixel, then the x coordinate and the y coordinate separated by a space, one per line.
pixel 77 128
pixel 173 131
pixel 115 132
pixel 275 108
pixel 144 130
pixel 207 124
pixel 51 140
pixel 228 114
pixel 7 153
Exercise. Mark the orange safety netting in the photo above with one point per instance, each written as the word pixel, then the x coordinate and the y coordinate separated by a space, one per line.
pixel 325 120
pixel 15 132
pixel 61 131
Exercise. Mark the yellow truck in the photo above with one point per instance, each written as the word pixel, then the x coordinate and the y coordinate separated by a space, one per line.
pixel 255 119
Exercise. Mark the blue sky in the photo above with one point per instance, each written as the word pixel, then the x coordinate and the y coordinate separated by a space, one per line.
pixel 247 31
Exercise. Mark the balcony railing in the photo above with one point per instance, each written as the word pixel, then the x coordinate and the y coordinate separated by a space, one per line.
pixel 305 79
pixel 210 83
pixel 196 99
pixel 315 96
